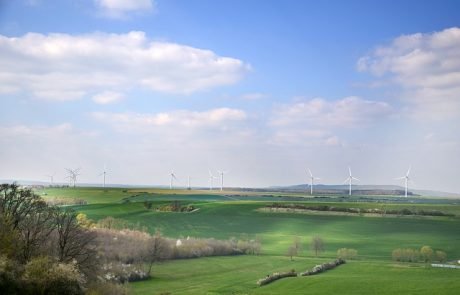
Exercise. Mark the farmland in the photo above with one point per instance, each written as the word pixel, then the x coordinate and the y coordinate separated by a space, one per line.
pixel 236 214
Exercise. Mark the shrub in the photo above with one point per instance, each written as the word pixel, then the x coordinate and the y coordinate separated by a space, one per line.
pixel 441 256
pixel 345 253
pixel 107 288
pixel 323 267
pixel 42 276
pixel 427 253
pixel 276 276
pixel 405 255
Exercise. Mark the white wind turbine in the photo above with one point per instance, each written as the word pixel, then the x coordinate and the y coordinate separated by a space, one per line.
pixel 222 179
pixel 72 175
pixel 51 176
pixel 350 180
pixel 211 178
pixel 406 180
pixel 104 173
pixel 189 187
pixel 173 176
pixel 312 178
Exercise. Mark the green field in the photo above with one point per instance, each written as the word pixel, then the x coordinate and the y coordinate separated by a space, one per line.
pixel 233 214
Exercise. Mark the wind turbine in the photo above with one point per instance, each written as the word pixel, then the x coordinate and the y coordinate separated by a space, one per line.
pixel 312 178
pixel 51 178
pixel 173 176
pixel 73 173
pixel 406 180
pixel 222 179
pixel 104 173
pixel 350 180
pixel 188 186
pixel 211 178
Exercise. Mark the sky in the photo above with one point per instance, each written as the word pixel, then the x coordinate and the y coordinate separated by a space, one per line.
pixel 261 89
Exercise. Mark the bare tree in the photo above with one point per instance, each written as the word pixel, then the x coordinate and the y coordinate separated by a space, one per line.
pixel 28 216
pixel 157 249
pixel 317 245
pixel 73 241
pixel 17 203
pixel 295 248
pixel 35 229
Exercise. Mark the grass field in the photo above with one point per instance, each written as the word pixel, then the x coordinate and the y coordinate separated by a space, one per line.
pixel 235 215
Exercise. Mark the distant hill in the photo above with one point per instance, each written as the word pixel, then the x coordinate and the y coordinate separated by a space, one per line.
pixel 320 189
pixel 365 190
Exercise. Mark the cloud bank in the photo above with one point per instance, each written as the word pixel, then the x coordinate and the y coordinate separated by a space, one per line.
pixel 60 67
pixel 426 66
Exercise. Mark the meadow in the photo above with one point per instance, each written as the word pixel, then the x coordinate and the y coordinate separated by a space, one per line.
pixel 234 214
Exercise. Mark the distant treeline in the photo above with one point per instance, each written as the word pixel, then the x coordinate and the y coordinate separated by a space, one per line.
pixel 383 211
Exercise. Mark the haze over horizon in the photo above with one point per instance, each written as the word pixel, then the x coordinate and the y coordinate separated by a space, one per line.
pixel 262 89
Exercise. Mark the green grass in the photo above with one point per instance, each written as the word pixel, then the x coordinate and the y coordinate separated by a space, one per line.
pixel 222 218
pixel 238 275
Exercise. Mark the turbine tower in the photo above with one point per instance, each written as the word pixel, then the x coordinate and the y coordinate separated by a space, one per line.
pixel 312 178
pixel 104 173
pixel 72 175
pixel 222 179
pixel 173 176
pixel 406 181
pixel 51 176
pixel 350 180
pixel 211 178
pixel 188 186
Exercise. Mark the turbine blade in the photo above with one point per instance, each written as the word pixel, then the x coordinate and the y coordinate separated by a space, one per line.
pixel 346 180
pixel 349 170
pixel 408 171
pixel 402 177
pixel 355 178
pixel 310 172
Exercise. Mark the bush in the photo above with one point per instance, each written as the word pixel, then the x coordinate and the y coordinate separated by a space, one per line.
pixel 42 276
pixel 276 276
pixel 323 267
pixel 441 256
pixel 405 255
pixel 107 288
pixel 427 253
pixel 345 253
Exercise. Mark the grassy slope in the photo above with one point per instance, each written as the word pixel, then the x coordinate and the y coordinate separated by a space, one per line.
pixel 237 275
pixel 373 237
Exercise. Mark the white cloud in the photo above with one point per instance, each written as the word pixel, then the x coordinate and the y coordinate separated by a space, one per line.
pixel 427 66
pixel 63 67
pixel 317 121
pixel 107 97
pixel 253 96
pixel 121 8
pixel 347 112
pixel 178 121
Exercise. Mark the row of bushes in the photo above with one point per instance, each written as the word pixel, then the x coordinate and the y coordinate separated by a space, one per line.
pixel 323 267
pixel 174 206
pixel 345 253
pixel 276 276
pixel 404 211
pixel 315 270
pixel 425 254
pixel 65 202
pixel 124 252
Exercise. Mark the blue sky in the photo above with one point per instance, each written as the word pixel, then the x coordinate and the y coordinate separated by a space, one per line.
pixel 264 89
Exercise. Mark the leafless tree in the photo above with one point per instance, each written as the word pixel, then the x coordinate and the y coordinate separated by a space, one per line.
pixel 158 249
pixel 317 245
pixel 73 241
pixel 17 203
pixel 35 229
